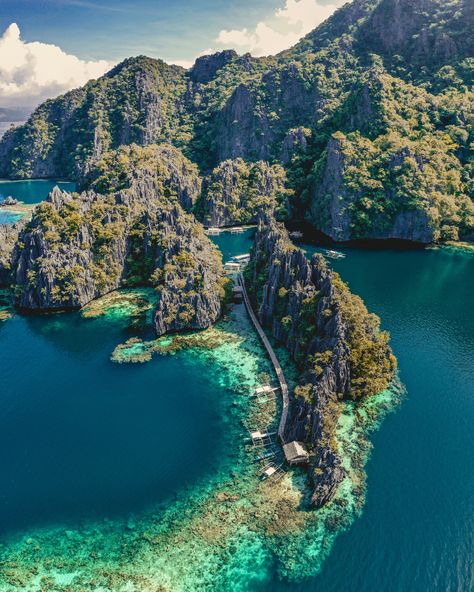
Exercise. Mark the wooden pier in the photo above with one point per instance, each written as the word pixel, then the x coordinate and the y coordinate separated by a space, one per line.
pixel 273 358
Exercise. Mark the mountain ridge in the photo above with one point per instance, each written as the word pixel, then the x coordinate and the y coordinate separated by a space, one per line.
pixel 227 107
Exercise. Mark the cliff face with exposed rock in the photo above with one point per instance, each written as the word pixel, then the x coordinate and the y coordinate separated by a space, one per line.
pixel 237 191
pixel 78 247
pixel 337 209
pixel 8 238
pixel 371 115
pixel 337 344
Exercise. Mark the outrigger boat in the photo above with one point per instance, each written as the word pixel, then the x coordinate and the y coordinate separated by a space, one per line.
pixel 334 254
pixel 296 234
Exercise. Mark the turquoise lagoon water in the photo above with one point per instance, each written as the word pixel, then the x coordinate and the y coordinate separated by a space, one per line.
pixel 29 193
pixel 83 441
pixel 8 217
pixel 32 191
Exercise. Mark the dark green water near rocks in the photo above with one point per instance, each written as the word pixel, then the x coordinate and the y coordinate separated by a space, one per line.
pixel 97 459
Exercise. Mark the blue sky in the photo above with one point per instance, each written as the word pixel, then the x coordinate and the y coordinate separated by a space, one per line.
pixel 49 46
pixel 115 29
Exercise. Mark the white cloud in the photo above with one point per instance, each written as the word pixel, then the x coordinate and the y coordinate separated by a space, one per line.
pixel 33 72
pixel 288 25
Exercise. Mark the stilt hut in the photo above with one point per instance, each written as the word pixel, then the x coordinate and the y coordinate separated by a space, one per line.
pixel 295 453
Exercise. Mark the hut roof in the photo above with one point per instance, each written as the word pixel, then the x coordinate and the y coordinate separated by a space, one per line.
pixel 263 389
pixel 295 451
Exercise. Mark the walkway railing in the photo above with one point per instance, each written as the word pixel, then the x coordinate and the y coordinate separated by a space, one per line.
pixel 273 358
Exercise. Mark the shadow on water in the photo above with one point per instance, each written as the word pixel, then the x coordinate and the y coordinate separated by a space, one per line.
pixel 312 236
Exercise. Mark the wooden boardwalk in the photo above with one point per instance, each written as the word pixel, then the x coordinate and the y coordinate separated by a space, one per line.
pixel 273 358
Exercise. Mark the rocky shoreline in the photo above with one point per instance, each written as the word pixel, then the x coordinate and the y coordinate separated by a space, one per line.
pixel 337 344
pixel 79 247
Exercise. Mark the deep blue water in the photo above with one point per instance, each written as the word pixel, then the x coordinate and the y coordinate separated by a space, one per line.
pixel 33 191
pixel 416 531
pixel 82 437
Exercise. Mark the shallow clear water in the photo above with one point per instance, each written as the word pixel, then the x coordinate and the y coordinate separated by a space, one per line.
pixel 82 438
pixel 32 191
pixel 8 217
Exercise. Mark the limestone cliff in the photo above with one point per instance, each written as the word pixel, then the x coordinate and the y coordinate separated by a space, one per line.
pixel 408 191
pixel 337 344
pixel 78 247
pixel 236 191
pixel 138 101
pixel 168 172
pixel 8 238
pixel 392 76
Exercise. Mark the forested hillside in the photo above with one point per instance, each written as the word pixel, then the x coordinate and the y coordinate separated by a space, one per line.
pixel 371 116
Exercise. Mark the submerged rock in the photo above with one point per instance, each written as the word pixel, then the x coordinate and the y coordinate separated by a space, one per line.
pixel 337 344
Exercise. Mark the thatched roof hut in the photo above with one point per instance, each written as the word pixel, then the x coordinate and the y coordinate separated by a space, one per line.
pixel 295 453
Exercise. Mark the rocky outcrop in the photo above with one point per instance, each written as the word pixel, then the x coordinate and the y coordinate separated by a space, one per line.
pixel 236 191
pixel 337 345
pixel 295 142
pixel 78 247
pixel 162 170
pixel 378 69
pixel 206 67
pixel 363 192
pixel 138 101
pixel 8 237
pixel 404 28
pixel 243 129
pixel 193 285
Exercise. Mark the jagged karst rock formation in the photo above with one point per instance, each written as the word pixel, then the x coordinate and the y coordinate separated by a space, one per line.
pixel 236 191
pixel 337 344
pixel 138 101
pixel 206 67
pixel 295 142
pixel 391 174
pixel 8 238
pixel 78 247
pixel 167 173
pixel 394 77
